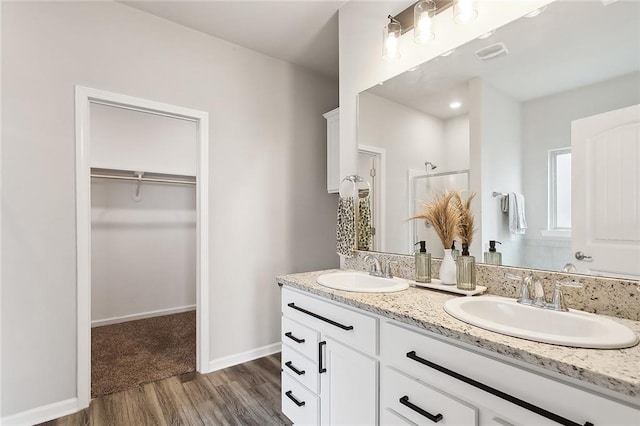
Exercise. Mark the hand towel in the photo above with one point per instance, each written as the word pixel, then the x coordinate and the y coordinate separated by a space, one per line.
pixel 517 220
pixel 364 222
pixel 346 226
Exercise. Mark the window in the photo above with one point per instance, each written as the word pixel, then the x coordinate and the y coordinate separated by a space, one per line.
pixel 560 189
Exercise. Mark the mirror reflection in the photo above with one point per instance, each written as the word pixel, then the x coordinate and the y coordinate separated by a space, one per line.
pixel 545 109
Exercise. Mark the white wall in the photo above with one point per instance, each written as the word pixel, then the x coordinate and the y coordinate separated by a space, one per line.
pixel 410 138
pixel 143 254
pixel 497 137
pixel 138 141
pixel 546 126
pixel 456 144
pixel 270 213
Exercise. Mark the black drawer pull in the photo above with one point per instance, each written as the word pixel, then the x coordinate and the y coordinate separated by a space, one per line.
pixel 294 338
pixel 293 398
pixel 524 404
pixel 405 401
pixel 337 324
pixel 295 370
pixel 321 369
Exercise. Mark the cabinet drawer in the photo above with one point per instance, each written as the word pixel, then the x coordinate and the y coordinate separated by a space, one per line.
pixel 301 368
pixel 412 352
pixel 349 327
pixel 301 338
pixel 299 404
pixel 423 404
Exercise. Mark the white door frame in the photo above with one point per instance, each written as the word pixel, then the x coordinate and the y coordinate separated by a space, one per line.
pixel 84 96
pixel 379 200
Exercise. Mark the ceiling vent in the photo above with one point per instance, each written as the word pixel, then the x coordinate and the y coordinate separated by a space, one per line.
pixel 493 51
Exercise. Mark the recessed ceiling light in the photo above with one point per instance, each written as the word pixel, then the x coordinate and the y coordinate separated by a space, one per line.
pixel 487 35
pixel 535 12
pixel 455 105
pixel 448 52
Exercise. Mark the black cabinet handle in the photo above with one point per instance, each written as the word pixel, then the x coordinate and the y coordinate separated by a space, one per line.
pixel 321 369
pixel 295 370
pixel 293 398
pixel 294 338
pixel 524 404
pixel 327 320
pixel 405 401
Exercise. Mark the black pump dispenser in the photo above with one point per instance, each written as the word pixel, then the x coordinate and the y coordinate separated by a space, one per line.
pixel 492 245
pixel 465 249
pixel 453 245
pixel 423 246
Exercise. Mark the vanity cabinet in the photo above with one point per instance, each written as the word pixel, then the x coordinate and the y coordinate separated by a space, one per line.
pixel 329 362
pixel 345 366
pixel 333 150
pixel 441 378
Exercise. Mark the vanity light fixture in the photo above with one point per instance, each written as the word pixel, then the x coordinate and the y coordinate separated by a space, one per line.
pixel 420 17
pixel 391 40
pixel 423 27
pixel 464 11
pixel 455 105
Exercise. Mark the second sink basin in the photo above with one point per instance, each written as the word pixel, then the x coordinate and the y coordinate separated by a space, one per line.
pixel 573 328
pixel 361 282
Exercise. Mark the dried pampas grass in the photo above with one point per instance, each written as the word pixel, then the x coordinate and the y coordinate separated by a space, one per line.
pixel 444 216
pixel 466 227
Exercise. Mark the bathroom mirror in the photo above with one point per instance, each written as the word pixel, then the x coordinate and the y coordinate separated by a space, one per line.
pixel 495 116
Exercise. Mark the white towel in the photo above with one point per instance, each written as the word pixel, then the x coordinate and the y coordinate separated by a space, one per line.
pixel 517 220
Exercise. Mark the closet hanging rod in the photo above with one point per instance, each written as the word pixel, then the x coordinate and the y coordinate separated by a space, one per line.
pixel 142 179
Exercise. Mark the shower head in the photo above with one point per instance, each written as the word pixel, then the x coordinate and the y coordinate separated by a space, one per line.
pixel 428 164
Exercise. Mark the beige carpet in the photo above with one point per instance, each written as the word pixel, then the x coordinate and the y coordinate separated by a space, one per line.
pixel 132 353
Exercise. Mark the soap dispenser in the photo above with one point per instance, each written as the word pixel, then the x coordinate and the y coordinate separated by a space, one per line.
pixel 466 270
pixel 493 257
pixel 454 251
pixel 423 263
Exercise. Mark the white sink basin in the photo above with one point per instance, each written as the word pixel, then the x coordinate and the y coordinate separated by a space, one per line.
pixel 573 328
pixel 361 282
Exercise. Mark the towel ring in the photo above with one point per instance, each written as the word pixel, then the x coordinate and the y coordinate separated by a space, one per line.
pixel 354 186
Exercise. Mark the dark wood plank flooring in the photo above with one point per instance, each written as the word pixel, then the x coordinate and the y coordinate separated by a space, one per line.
pixel 246 394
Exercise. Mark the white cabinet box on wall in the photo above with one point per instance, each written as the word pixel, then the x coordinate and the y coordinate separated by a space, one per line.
pixel 333 150
pixel 330 370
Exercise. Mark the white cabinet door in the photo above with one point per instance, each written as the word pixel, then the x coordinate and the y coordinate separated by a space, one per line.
pixel 348 387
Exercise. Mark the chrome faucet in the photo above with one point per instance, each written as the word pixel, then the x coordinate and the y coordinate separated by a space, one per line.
pixel 532 293
pixel 557 300
pixel 379 269
pixel 376 268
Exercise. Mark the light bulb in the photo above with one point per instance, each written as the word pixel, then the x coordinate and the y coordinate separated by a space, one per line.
pixel 423 26
pixel 391 41
pixel 464 11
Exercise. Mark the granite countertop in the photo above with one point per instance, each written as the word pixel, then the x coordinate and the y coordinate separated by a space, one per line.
pixel 615 369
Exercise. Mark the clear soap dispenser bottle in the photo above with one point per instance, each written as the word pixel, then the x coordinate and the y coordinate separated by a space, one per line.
pixel 493 257
pixel 454 251
pixel 423 263
pixel 466 270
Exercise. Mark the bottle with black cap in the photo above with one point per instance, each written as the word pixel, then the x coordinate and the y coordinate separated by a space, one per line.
pixel 493 257
pixel 454 251
pixel 423 263
pixel 466 270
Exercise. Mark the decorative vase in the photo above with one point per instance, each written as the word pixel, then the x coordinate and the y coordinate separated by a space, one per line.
pixel 448 269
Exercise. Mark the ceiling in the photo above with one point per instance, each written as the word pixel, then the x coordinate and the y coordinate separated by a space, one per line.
pixel 569 45
pixel 302 32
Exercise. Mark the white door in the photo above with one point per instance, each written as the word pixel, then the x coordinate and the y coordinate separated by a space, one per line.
pixel 348 387
pixel 606 193
pixel 370 168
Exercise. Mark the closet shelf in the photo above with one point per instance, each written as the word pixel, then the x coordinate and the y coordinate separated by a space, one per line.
pixel 140 176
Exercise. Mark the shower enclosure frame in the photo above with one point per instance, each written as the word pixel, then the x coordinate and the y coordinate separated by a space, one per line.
pixel 84 97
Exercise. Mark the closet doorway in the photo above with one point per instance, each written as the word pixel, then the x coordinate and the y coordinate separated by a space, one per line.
pixel 128 172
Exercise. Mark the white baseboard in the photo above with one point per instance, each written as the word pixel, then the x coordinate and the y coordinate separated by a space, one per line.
pixel 143 315
pixel 231 360
pixel 42 414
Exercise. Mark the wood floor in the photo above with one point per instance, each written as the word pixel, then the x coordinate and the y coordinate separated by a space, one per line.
pixel 246 394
